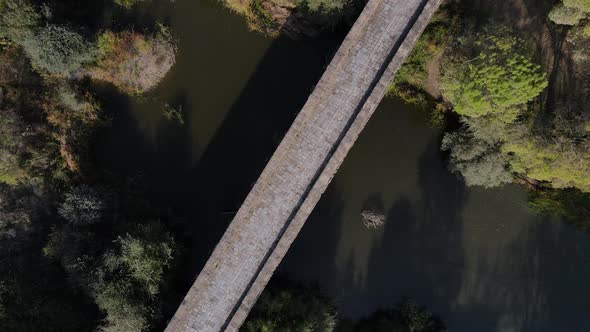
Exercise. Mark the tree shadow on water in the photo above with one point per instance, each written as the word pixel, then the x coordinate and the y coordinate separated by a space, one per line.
pixel 422 244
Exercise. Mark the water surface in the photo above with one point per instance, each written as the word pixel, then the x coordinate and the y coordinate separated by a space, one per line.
pixel 478 258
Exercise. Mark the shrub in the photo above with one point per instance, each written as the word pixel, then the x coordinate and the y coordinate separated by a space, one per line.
pixel 570 12
pixel 18 20
pixel 568 203
pixel 128 3
pixel 480 162
pixel 291 309
pixel 83 205
pixel 131 276
pixel 582 5
pixel 58 50
pixel 117 298
pixel 406 316
pixel 561 14
pixel 325 6
pixel 147 255
pixel 133 62
pixel 561 166
pixel 12 144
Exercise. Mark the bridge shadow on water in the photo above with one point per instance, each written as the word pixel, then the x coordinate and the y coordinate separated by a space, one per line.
pixel 228 167
pixel 204 190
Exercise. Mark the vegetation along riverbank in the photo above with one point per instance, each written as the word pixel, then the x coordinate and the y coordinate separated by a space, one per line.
pixel 82 249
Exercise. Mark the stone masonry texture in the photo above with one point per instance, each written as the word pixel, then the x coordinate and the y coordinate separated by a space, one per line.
pixel 301 168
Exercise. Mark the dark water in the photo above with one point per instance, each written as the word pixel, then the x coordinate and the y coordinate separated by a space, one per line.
pixel 478 258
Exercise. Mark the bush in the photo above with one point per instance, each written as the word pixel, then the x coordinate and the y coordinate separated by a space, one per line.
pixel 133 62
pixel 128 3
pixel 12 144
pixel 569 203
pixel 480 162
pixel 561 166
pixel 118 299
pixel 570 12
pixel 561 14
pixel 18 20
pixel 58 50
pixel 83 205
pixel 325 6
pixel 131 276
pixel 406 316
pixel 291 309
pixel 147 255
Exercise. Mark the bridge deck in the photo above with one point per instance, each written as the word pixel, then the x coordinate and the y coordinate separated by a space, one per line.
pixel 302 166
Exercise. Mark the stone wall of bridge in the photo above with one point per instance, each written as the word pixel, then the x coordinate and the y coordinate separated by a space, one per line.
pixel 302 166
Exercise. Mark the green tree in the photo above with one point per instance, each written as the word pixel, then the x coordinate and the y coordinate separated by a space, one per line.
pixel 495 77
pixel 83 205
pixel 58 50
pixel 34 295
pixel 146 255
pixel 290 308
pixel 545 160
pixel 571 204
pixel 12 144
pixel 570 12
pixel 128 3
pixel 406 316
pixel 130 278
pixel 480 162
pixel 18 20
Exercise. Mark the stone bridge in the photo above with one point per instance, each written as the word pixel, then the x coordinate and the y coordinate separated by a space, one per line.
pixel 302 166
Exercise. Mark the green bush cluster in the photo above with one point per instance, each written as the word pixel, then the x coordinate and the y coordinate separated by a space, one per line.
pixel 570 12
pixel 128 3
pixel 498 79
pixel 406 316
pixel 571 204
pixel 288 307
pixel 480 162
pixel 11 144
pixel 52 49
pixel 58 50
pixel 18 20
pixel 490 80
pixel 123 276
pixel 291 309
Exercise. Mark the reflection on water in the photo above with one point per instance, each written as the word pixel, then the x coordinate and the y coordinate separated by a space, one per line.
pixel 479 258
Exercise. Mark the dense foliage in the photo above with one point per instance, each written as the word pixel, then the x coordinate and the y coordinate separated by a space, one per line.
pixel 570 12
pixel 128 3
pixel 123 275
pixel 493 74
pixel 406 316
pixel 58 50
pixel 78 252
pixel 18 20
pixel 480 162
pixel 134 62
pixel 291 309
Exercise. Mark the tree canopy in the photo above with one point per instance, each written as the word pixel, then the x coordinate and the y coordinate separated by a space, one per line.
pixel 496 77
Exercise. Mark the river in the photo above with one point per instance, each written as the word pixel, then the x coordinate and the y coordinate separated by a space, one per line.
pixel 480 259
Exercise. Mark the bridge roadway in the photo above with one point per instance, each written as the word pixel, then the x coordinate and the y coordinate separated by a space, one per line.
pixel 302 166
